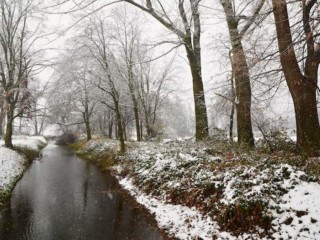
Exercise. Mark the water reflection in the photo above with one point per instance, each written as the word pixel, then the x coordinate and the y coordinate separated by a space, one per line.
pixel 62 197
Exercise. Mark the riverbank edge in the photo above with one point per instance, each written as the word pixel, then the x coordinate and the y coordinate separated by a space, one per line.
pixel 104 161
pixel 29 155
pixel 186 157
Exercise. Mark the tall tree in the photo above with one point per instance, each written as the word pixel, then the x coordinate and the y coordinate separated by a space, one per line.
pixel 127 35
pixel 97 42
pixel 240 67
pixel 188 30
pixel 302 82
pixel 15 62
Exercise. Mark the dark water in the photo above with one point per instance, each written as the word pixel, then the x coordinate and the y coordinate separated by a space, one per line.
pixel 62 197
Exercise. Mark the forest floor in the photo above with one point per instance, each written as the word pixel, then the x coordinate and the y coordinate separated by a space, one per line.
pixel 14 162
pixel 213 190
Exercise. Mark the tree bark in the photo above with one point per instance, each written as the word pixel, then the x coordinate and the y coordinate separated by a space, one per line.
pixel 302 86
pixel 202 130
pixel 88 128
pixel 242 79
pixel 9 128
pixel 120 127
pixel 137 120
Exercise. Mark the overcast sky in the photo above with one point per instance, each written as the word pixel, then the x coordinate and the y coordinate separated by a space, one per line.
pixel 214 37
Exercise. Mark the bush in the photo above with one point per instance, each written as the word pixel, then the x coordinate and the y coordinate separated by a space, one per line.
pixel 66 139
pixel 276 140
pixel 245 216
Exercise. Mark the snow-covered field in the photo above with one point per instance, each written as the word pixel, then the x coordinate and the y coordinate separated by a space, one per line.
pixel 197 194
pixel 12 164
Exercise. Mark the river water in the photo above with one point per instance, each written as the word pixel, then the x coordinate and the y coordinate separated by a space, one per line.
pixel 62 197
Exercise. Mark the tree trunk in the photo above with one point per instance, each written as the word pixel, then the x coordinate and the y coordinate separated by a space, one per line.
pixel 233 104
pixel 110 129
pixel 302 87
pixel 9 128
pixel 88 129
pixel 36 133
pixel 1 123
pixel 307 121
pixel 242 79
pixel 124 128
pixel 231 122
pixel 141 130
pixel 243 92
pixel 116 135
pixel 134 100
pixel 202 130
pixel 120 127
pixel 137 120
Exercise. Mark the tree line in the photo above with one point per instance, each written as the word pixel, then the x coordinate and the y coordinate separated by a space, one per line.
pixel 112 69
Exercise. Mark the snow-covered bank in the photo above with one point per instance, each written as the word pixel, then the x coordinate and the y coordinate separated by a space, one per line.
pixel 12 164
pixel 33 142
pixel 197 191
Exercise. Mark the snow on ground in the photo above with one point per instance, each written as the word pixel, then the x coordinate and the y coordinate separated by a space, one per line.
pixel 194 191
pixel 299 214
pixel 100 145
pixel 33 142
pixel 12 166
pixel 179 221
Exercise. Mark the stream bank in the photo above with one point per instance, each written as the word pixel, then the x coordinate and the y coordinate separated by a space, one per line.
pixel 64 197
pixel 213 190
pixel 15 161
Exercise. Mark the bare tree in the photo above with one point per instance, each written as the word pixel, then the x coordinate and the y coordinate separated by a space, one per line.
pixel 15 63
pixel 188 30
pixel 127 35
pixel 152 91
pixel 240 66
pixel 302 80
pixel 97 42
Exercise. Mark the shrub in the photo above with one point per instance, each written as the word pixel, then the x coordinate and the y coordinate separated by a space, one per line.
pixel 66 139
pixel 276 140
pixel 245 216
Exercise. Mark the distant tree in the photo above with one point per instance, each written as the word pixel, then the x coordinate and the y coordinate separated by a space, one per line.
pixel 96 39
pixel 152 91
pixel 127 35
pixel 188 29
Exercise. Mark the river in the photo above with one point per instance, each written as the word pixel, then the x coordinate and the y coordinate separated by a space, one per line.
pixel 62 197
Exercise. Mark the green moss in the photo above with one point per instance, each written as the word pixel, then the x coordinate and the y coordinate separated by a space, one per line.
pixel 4 197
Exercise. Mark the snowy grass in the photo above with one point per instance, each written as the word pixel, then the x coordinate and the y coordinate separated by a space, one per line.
pixel 209 191
pixel 98 151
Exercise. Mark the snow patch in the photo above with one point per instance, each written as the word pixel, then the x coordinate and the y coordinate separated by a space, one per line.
pixel 179 221
pixel 11 167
